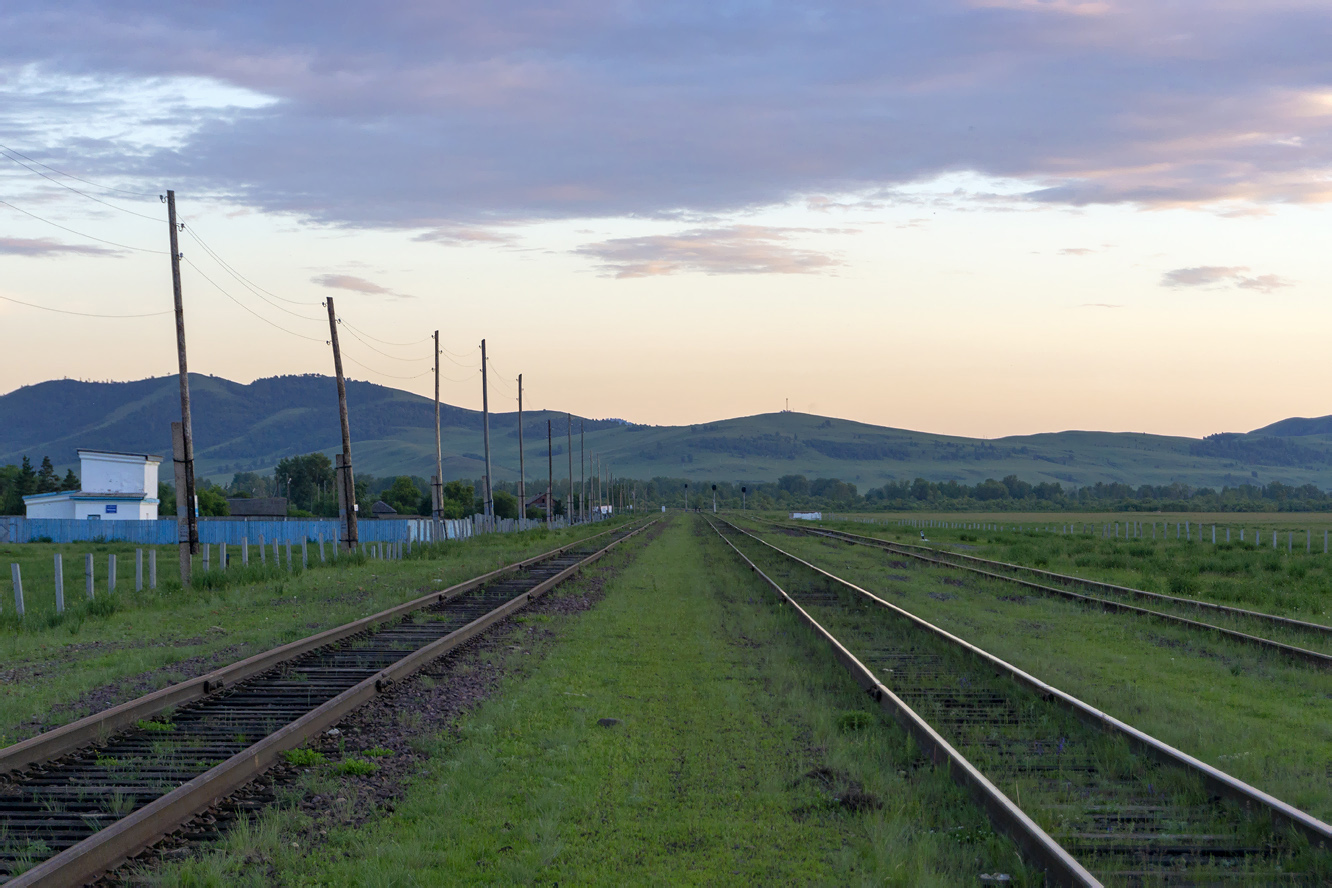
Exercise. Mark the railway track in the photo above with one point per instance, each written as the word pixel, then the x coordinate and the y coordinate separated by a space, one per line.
pixel 1088 799
pixel 78 801
pixel 1016 574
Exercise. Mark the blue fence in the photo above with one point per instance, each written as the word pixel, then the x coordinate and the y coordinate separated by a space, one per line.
pixel 163 532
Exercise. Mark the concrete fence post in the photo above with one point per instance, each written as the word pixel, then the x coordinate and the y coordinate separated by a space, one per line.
pixel 138 570
pixel 263 550
pixel 88 574
pixel 1213 534
pixel 245 551
pixel 288 555
pixel 305 554
pixel 16 574
pixel 277 555
pixel 1290 541
pixel 222 555
pixel 60 583
pixel 111 573
pixel 152 568
pixel 1227 534
pixel 207 550
pixel 321 547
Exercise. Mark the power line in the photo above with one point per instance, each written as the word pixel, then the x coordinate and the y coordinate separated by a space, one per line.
pixel 240 279
pixel 385 341
pixel 78 192
pixel 80 233
pixel 84 314
pixel 373 349
pixel 78 178
pixel 381 372
pixel 189 229
pixel 247 308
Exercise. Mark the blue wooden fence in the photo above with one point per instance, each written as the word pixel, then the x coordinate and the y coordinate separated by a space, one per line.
pixel 163 532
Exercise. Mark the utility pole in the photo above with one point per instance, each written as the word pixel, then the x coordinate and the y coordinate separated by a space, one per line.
pixel 568 503
pixel 550 479
pixel 489 502
pixel 522 466
pixel 582 472
pixel 347 489
pixel 182 456
pixel 437 489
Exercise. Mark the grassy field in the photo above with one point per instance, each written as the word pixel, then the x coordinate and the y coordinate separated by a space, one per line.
pixel 1283 521
pixel 168 634
pixel 743 754
pixel 1256 715
pixel 1287 582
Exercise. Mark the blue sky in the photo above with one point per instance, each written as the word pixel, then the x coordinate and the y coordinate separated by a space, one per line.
pixel 985 218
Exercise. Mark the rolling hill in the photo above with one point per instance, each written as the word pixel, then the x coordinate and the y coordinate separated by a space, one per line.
pixel 250 427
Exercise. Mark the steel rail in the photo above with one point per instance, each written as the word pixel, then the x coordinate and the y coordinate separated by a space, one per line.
pixel 90 729
pixel 1309 656
pixel 1059 867
pixel 115 844
pixel 1316 831
pixel 1305 625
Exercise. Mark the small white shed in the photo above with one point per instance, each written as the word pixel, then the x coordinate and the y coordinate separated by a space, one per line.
pixel 115 487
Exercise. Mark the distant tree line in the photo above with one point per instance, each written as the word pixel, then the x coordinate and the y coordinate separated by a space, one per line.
pixel 18 481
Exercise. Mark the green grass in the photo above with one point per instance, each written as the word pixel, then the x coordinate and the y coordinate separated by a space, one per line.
pixel 743 754
pixel 1258 716
pixel 50 662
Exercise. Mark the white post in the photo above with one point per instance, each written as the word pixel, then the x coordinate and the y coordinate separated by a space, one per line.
pixel 321 547
pixel 245 551
pixel 288 555
pixel 1213 534
pixel 17 575
pixel 60 583
pixel 207 549
pixel 263 550
pixel 110 573
pixel 305 555
pixel 222 555
pixel 138 570
pixel 152 568
pixel 88 574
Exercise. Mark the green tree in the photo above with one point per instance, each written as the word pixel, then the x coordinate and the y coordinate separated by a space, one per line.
pixel 212 502
pixel 307 480
pixel 166 495
pixel 46 477
pixel 403 495
pixel 71 481
pixel 506 504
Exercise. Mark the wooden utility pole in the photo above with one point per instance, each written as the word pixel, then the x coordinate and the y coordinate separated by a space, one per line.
pixel 347 484
pixel 522 465
pixel 582 472
pixel 550 478
pixel 437 489
pixel 568 503
pixel 489 501
pixel 184 455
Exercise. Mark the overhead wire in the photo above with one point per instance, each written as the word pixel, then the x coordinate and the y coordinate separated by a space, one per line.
pixel 84 314
pixel 387 342
pixel 78 192
pixel 80 233
pixel 78 178
pixel 224 292
pixel 244 282
pixel 373 349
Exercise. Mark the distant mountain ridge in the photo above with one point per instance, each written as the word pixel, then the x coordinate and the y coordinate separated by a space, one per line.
pixel 249 427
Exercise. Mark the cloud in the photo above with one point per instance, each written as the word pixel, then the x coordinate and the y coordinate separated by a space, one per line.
pixel 739 249
pixel 424 116
pixel 1076 251
pixel 353 283
pixel 1101 305
pixel 463 235
pixel 45 246
pixel 1214 276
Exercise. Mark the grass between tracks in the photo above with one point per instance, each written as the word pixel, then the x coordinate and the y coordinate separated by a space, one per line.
pixel 151 638
pixel 1256 715
pixel 743 754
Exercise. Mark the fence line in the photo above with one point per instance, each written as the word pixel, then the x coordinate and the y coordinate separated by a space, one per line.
pixel 164 532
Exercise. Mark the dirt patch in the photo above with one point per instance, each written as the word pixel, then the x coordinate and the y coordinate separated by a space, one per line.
pixel 899 565
pixel 843 793
pixel 953 581
pixel 1014 599
pixel 942 596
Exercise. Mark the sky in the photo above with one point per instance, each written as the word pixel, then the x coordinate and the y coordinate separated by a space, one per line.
pixel 974 217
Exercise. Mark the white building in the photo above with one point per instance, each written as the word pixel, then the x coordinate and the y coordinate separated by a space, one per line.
pixel 116 487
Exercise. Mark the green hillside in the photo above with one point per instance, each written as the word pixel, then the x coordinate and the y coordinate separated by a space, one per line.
pixel 250 427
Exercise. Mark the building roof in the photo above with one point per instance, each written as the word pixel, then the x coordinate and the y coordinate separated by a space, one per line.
pixel 383 508
pixel 257 506
pixel 146 457
pixel 92 495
